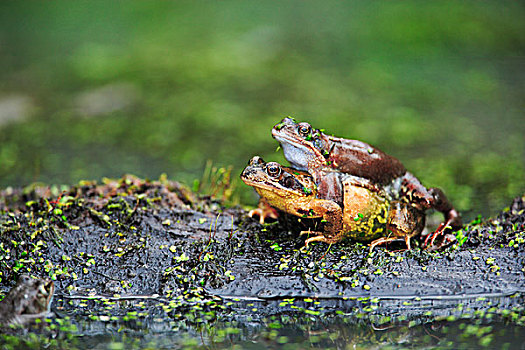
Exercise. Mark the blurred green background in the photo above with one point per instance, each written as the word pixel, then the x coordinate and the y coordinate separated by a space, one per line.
pixel 97 88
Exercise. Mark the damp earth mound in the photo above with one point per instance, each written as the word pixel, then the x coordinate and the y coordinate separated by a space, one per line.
pixel 150 263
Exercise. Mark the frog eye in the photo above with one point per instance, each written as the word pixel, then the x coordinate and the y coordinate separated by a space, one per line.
pixel 273 169
pixel 304 129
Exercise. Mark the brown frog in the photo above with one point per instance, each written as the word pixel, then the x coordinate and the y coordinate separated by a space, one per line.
pixel 28 300
pixel 327 157
pixel 364 215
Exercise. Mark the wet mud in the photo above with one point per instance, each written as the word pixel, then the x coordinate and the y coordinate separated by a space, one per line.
pixel 153 255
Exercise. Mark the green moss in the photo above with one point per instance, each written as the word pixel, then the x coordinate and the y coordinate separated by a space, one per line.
pixel 218 98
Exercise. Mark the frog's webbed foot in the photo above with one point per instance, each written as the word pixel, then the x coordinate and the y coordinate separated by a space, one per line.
pixel 440 231
pixel 446 240
pixel 264 211
pixel 433 198
pixel 452 217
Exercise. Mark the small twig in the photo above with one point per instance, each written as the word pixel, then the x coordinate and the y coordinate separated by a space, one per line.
pixel 322 257
pixel 113 298
pixel 104 275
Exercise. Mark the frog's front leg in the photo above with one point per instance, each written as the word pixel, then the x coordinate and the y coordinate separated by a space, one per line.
pixel 418 196
pixel 332 217
pixel 329 186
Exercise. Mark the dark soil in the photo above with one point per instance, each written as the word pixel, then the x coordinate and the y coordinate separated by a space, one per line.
pixel 153 254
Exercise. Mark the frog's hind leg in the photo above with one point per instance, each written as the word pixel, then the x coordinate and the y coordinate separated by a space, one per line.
pixel 452 217
pixel 432 198
pixel 403 223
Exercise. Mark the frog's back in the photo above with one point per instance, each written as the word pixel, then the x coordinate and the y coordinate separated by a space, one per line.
pixel 361 159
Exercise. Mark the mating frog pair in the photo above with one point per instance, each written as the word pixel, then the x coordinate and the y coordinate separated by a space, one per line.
pixel 359 191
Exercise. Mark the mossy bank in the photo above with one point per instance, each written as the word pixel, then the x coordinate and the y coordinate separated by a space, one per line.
pixel 133 258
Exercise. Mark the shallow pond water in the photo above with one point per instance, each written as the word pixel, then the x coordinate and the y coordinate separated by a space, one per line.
pixel 459 323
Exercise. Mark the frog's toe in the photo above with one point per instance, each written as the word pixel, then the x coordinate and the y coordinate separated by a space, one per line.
pixel 445 240
pixel 318 238
pixel 379 241
pixel 263 214
pixel 314 239
pixel 431 237
pixel 385 240
pixel 257 212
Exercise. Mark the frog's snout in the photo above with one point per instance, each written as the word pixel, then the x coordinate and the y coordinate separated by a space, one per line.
pixel 286 123
pixel 248 173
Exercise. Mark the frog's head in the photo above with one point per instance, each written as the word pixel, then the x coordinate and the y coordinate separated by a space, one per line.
pixel 280 181
pixel 29 298
pixel 303 146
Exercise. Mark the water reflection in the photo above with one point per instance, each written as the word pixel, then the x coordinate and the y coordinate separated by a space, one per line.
pixel 303 323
